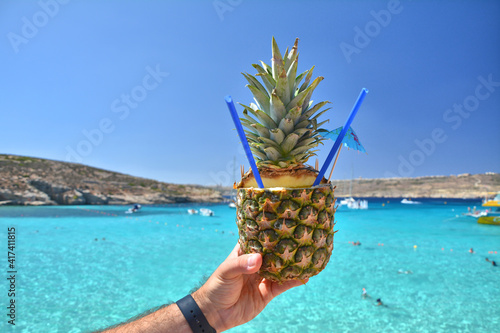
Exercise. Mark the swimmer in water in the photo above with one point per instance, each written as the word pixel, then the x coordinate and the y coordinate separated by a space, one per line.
pixel 492 261
pixel 364 294
pixel 400 271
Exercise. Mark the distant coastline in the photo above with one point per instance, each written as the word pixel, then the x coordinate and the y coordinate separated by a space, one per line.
pixel 35 181
pixel 464 186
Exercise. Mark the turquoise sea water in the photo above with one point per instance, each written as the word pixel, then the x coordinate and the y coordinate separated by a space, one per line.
pixel 67 281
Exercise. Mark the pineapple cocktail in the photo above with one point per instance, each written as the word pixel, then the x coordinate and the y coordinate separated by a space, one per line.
pixel 289 221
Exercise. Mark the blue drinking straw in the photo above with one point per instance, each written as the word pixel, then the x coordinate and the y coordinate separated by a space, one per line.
pixel 338 142
pixel 243 138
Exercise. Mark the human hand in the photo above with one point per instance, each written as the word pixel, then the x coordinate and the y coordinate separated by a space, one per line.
pixel 236 293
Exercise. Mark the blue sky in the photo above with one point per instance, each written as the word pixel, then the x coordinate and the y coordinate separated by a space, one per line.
pixel 138 87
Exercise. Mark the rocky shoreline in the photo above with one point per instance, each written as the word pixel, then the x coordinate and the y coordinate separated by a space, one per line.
pixel 34 181
pixel 464 186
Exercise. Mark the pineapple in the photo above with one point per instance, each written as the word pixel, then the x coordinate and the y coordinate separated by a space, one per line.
pixel 289 221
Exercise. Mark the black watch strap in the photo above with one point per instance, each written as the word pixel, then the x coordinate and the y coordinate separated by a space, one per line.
pixel 195 318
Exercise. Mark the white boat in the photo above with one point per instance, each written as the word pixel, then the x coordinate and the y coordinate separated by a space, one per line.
pixel 192 211
pixel 345 202
pixel 477 213
pixel 352 203
pixel 358 204
pixel 134 209
pixel 206 212
pixel 232 203
pixel 410 202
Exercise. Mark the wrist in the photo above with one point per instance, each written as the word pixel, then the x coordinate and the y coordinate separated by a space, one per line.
pixel 208 309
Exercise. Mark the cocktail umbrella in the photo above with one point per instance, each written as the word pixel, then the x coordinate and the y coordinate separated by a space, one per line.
pixel 340 137
pixel 350 140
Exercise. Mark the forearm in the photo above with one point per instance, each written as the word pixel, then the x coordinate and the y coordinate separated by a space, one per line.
pixel 232 296
pixel 165 320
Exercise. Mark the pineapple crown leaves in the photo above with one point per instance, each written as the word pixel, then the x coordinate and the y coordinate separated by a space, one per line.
pixel 282 125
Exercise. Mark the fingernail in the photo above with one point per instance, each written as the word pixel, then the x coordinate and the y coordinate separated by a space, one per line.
pixel 252 260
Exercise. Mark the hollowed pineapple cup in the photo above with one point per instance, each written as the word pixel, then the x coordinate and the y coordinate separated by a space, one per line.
pixel 291 227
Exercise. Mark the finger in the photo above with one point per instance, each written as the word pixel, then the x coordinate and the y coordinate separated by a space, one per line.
pixel 281 288
pixel 245 264
pixel 240 251
pixel 235 252
pixel 274 289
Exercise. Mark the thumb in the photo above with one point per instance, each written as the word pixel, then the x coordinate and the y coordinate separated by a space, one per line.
pixel 245 264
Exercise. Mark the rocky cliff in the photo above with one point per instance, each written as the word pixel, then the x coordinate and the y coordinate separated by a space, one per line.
pixel 465 186
pixel 35 181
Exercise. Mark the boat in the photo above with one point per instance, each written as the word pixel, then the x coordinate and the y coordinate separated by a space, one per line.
pixel 206 212
pixel 352 203
pixel 134 209
pixel 476 214
pixel 489 219
pixel 192 211
pixel 493 216
pixel 232 203
pixel 345 202
pixel 410 202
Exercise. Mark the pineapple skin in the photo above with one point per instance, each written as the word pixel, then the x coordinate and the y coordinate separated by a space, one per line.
pixel 291 227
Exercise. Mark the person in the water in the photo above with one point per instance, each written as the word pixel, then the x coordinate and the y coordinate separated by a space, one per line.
pixel 493 262
pixel 364 294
